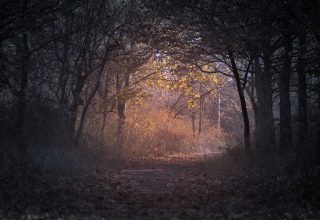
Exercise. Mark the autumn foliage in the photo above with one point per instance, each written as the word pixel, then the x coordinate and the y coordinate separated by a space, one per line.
pixel 152 132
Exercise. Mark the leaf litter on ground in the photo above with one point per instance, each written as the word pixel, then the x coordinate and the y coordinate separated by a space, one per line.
pixel 159 189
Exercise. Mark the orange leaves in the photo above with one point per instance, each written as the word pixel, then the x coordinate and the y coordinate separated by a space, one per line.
pixel 186 80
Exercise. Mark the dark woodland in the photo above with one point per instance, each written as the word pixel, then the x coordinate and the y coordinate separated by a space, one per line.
pixel 159 109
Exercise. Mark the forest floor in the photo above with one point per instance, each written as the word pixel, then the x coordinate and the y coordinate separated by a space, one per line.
pixel 163 188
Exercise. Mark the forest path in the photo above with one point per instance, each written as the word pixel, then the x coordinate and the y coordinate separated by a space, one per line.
pixel 160 175
pixel 174 188
pixel 183 187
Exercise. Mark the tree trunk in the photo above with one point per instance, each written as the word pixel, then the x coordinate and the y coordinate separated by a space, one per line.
pixel 285 140
pixel 193 120
pixel 88 102
pixel 121 105
pixel 246 133
pixel 121 126
pixel 264 111
pixel 103 125
pixel 73 110
pixel 219 113
pixel 302 91
pixel 22 102
pixel 318 126
pixel 64 77
pixel 200 114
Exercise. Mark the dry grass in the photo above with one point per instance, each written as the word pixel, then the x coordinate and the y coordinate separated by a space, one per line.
pixel 154 132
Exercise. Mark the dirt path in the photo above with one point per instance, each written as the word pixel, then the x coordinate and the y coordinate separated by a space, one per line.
pixel 184 188
pixel 160 175
pixel 175 188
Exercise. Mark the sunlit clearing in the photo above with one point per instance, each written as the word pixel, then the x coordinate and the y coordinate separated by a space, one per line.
pixel 176 109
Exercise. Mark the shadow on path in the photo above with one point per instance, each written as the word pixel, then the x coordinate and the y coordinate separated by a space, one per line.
pixel 160 175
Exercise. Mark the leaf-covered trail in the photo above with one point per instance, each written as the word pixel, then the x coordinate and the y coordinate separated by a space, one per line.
pixel 161 175
pixel 184 188
pixel 174 188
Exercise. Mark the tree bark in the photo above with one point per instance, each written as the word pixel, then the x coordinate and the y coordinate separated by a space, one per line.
pixel 264 111
pixel 193 120
pixel 88 102
pixel 64 78
pixel 318 125
pixel 285 140
pixel 201 100
pixel 246 133
pixel 219 113
pixel 22 101
pixel 302 91
pixel 121 106
pixel 103 125
pixel 22 95
pixel 73 110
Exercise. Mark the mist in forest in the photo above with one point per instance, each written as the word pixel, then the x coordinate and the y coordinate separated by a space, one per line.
pixel 159 109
